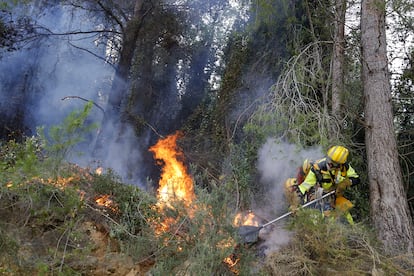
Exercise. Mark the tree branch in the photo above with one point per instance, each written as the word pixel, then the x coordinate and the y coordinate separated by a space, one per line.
pixel 83 99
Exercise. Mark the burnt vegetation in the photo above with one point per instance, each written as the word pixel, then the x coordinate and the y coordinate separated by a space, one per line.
pixel 58 218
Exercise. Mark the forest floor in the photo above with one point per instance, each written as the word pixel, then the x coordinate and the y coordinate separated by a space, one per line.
pixel 66 242
pixel 105 257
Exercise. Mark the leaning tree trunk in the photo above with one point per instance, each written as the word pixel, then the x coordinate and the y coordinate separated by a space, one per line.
pixel 388 201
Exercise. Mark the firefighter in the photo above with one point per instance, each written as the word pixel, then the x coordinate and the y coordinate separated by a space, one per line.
pixel 292 194
pixel 332 173
pixel 303 171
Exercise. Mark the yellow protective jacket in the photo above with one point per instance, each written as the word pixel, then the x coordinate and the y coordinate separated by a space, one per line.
pixel 328 177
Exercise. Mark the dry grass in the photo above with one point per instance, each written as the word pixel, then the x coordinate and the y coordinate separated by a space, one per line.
pixel 327 247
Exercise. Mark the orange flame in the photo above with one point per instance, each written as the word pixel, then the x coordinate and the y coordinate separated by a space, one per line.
pixel 175 183
pixel 231 262
pixel 106 201
pixel 248 218
pixel 99 171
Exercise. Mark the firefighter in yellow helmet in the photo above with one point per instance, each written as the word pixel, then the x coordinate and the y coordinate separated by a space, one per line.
pixel 303 171
pixel 333 173
pixel 293 198
pixel 292 194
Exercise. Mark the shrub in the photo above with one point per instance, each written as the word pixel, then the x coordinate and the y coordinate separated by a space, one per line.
pixel 325 246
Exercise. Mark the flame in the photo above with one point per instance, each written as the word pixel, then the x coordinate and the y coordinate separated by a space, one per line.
pixel 99 171
pixel 106 201
pixel 175 183
pixel 241 218
pixel 248 218
pixel 233 259
pixel 231 262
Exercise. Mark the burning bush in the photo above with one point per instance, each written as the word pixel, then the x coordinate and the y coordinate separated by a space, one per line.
pixel 196 232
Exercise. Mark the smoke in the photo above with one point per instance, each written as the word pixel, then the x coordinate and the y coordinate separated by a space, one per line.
pixel 278 161
pixel 65 67
pixel 56 65
pixel 55 74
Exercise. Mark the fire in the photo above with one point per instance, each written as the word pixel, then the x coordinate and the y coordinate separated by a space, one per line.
pixel 106 201
pixel 175 183
pixel 231 262
pixel 233 259
pixel 241 218
pixel 99 171
pixel 248 218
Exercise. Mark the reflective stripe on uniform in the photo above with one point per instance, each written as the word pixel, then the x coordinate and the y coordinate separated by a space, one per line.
pixel 304 187
pixel 351 172
pixel 308 183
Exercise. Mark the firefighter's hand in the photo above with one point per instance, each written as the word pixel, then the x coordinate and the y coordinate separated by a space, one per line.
pixel 342 186
pixel 294 188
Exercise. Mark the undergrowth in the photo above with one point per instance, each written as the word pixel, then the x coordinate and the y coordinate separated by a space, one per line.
pixel 48 210
pixel 48 205
pixel 325 246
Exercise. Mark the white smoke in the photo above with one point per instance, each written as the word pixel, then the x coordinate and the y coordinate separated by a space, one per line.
pixel 278 161
pixel 57 74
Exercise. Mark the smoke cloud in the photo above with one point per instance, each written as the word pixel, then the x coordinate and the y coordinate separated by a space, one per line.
pixel 278 161
pixel 55 74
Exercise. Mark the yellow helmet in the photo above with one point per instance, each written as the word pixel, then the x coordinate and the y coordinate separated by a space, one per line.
pixel 290 182
pixel 338 154
pixel 306 166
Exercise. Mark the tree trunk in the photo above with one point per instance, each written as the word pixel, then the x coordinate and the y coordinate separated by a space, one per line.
pixel 129 40
pixel 338 61
pixel 111 126
pixel 389 206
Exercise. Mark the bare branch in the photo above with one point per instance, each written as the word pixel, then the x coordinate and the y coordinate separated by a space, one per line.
pixel 83 99
pixel 90 52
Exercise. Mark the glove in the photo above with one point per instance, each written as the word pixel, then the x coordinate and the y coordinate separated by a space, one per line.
pixel 342 186
pixel 294 188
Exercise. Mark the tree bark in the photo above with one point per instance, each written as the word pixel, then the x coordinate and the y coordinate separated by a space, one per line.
pixel 129 40
pixel 338 61
pixel 111 125
pixel 388 201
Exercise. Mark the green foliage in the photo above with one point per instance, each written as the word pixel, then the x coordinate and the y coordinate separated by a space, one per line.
pixel 34 194
pixel 60 204
pixel 37 155
pixel 200 241
pixel 7 5
pixel 42 208
pixel 297 108
pixel 108 183
pixel 240 174
pixel 20 160
pixel 42 268
pixel 135 213
pixel 404 118
pixel 322 245
pixel 276 15
pixel 63 138
pixel 8 248
pixel 197 241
